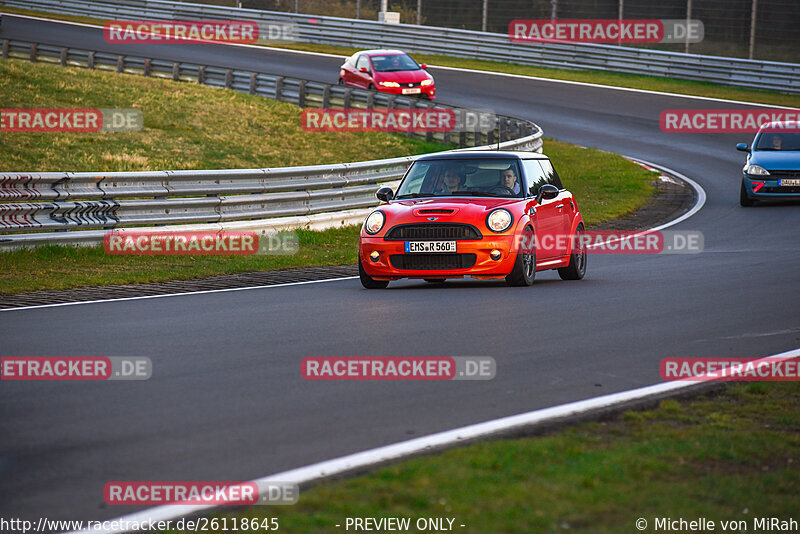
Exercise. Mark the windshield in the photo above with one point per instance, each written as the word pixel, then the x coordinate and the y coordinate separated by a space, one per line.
pixel 474 177
pixel 778 141
pixel 393 63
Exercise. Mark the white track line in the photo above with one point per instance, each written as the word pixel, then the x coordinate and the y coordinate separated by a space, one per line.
pixel 474 71
pixel 398 451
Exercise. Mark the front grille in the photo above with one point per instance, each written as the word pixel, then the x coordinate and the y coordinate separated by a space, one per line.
pixel 791 189
pixel 411 84
pixel 432 261
pixel 434 232
pixel 785 174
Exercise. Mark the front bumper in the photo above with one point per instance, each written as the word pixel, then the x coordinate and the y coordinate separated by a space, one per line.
pixel 387 267
pixel 428 90
pixel 768 187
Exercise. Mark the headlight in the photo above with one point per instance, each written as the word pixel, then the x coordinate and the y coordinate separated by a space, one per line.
pixel 374 222
pixel 499 220
pixel 389 84
pixel 426 83
pixel 757 170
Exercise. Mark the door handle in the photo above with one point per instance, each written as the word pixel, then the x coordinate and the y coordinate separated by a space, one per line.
pixel 560 206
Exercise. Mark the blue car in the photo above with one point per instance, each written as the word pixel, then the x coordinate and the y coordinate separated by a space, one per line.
pixel 772 170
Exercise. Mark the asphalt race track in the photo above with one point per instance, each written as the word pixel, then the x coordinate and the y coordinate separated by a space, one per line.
pixel 227 402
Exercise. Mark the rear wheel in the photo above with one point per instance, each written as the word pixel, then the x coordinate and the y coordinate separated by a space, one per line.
pixel 744 200
pixel 371 87
pixel 341 81
pixel 577 260
pixel 525 266
pixel 367 281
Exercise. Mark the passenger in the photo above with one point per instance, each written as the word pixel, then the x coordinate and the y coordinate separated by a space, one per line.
pixel 452 182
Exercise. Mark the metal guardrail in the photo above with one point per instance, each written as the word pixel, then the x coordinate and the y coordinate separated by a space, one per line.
pixel 771 75
pixel 51 204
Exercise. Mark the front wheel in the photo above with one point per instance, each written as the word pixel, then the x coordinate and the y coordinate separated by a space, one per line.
pixel 367 281
pixel 744 200
pixel 577 260
pixel 525 267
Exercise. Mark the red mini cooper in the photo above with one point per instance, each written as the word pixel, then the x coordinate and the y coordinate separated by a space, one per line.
pixel 387 71
pixel 479 214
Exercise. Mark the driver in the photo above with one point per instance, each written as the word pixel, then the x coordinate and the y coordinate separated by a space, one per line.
pixel 452 182
pixel 777 142
pixel 508 178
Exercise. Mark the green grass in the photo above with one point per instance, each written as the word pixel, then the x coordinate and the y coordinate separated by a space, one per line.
pixel 186 126
pixel 731 456
pixel 653 83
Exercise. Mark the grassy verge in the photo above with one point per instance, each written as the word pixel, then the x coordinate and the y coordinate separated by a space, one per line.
pixel 186 126
pixel 733 456
pixel 652 83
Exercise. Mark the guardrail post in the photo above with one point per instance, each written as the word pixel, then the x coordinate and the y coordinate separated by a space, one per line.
pixel 348 97
pixel 326 96
pixel 462 139
pixel 371 101
pixel 147 67
pixel 228 79
pixel 34 52
pixel 253 83
pixel 5 48
pixel 301 95
pixel 278 88
pixel 201 75
pixel 478 134
pixel 121 64
pixel 63 59
pixel 90 61
pixel 490 137
pixel 390 102
pixel 176 72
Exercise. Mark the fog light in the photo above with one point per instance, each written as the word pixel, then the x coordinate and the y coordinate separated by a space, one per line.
pixel 374 255
pixel 495 254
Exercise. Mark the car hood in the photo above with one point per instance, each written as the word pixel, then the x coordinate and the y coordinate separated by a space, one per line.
pixel 776 160
pixel 403 76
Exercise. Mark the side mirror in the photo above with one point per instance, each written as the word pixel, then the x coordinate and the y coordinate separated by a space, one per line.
pixel 424 66
pixel 385 194
pixel 743 147
pixel 363 69
pixel 548 192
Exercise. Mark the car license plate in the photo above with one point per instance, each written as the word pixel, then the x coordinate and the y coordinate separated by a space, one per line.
pixel 430 246
pixel 792 182
pixel 414 91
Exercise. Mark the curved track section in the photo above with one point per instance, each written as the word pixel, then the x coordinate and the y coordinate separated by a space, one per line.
pixel 226 401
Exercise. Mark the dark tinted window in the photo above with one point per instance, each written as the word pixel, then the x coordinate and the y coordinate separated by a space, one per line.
pixel 394 63
pixel 778 141
pixel 550 173
pixel 535 175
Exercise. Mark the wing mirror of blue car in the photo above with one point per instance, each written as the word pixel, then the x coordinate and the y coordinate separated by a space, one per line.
pixel 743 147
pixel 385 194
pixel 548 192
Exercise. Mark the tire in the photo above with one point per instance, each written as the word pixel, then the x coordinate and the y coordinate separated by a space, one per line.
pixel 744 200
pixel 371 87
pixel 525 266
pixel 577 260
pixel 341 81
pixel 367 281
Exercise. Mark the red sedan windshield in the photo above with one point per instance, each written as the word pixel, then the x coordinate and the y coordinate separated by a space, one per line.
pixel 393 63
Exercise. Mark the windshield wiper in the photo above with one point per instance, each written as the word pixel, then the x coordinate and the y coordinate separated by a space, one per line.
pixel 415 195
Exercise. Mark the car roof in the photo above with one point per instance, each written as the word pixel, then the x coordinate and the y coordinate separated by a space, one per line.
pixel 377 52
pixel 780 125
pixel 483 154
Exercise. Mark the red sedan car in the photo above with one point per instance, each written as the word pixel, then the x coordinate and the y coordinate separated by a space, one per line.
pixel 480 214
pixel 388 71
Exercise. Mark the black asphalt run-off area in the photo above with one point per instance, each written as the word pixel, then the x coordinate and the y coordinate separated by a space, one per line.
pixel 227 402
